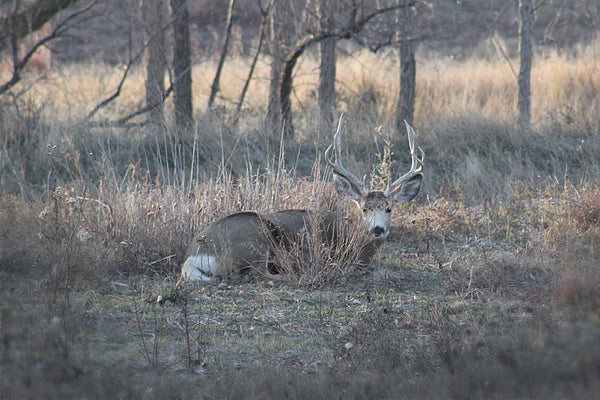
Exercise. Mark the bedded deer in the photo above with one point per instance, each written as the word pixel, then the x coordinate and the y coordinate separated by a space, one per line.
pixel 249 240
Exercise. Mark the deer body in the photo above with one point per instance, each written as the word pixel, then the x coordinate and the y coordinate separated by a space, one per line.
pixel 235 242
pixel 248 240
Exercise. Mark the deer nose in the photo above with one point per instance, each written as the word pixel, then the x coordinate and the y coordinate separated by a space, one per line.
pixel 378 231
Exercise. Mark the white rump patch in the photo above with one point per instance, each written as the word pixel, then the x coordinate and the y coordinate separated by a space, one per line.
pixel 199 268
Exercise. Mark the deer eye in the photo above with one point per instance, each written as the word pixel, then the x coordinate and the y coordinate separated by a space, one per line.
pixel 388 210
pixel 364 210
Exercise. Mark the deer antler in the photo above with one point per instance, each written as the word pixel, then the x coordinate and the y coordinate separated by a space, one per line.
pixel 337 166
pixel 416 163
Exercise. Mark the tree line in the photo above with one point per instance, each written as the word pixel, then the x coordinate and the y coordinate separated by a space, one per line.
pixel 286 31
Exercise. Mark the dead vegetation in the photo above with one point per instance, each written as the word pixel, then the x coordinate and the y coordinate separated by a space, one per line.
pixel 488 286
pixel 460 303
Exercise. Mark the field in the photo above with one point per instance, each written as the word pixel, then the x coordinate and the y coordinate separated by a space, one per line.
pixel 488 286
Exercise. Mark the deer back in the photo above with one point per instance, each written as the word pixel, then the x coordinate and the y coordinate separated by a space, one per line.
pixel 232 243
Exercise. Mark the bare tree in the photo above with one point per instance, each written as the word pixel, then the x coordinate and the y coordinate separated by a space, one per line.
pixel 405 107
pixel 327 73
pixel 154 14
pixel 182 65
pixel 279 42
pixel 526 13
pixel 351 29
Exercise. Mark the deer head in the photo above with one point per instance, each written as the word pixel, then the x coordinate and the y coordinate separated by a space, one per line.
pixel 377 205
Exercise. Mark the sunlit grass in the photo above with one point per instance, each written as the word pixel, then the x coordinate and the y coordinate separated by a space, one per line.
pixel 565 88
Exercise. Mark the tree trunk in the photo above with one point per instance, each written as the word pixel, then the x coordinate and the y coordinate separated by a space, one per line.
pixel 182 66
pixel 327 72
pixel 405 107
pixel 285 97
pixel 273 117
pixel 273 121
pixel 526 53
pixel 154 13
pixel 279 43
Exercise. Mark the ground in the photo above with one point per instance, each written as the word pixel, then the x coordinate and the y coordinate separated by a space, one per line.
pixel 439 314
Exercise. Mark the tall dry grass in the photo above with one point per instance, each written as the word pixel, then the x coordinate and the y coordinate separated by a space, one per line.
pixel 465 118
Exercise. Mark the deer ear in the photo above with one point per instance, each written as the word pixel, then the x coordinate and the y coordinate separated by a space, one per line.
pixel 344 187
pixel 409 189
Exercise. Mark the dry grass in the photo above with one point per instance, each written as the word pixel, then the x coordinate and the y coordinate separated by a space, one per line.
pixel 488 286
pixel 460 297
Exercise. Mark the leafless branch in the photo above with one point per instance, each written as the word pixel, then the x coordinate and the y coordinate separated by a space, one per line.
pixel 122 122
pixel 20 24
pixel 214 88
pixel 59 31
pixel 263 28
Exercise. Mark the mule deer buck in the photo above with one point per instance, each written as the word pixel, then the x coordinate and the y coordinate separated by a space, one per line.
pixel 248 240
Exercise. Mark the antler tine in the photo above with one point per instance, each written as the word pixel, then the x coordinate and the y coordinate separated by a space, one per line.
pixel 416 166
pixel 337 166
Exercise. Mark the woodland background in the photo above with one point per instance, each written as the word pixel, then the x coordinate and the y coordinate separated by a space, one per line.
pixel 128 126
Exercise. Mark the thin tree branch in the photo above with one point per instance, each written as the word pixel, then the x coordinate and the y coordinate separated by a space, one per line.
pixel 117 92
pixel 506 58
pixel 214 88
pixel 59 31
pixel 263 29
pixel 33 18
pixel 122 122
pixel 147 108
